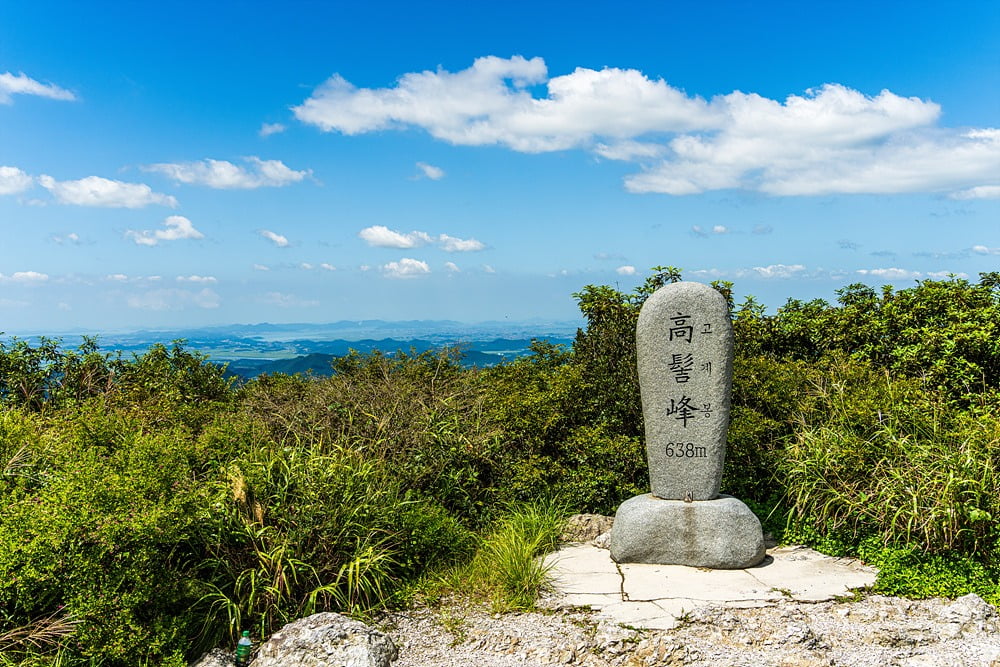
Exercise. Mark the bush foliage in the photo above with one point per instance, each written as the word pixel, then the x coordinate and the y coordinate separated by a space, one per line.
pixel 152 509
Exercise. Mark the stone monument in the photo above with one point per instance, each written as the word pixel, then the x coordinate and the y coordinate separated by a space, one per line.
pixel 684 344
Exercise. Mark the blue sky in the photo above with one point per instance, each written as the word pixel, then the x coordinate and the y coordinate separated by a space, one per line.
pixel 181 164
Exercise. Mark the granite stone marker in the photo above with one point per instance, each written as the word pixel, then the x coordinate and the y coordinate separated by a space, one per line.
pixel 684 344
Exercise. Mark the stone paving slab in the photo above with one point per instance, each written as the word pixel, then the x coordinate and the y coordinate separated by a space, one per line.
pixel 656 596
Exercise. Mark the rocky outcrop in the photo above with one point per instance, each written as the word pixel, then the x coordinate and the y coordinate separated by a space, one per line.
pixel 217 657
pixel 325 640
pixel 870 632
pixel 585 527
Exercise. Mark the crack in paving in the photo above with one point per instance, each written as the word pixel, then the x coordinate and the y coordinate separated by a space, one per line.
pixel 621 583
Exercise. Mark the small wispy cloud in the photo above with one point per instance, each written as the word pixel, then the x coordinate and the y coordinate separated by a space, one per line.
pixel 21 84
pixel 97 191
pixel 984 250
pixel 174 299
pixel 979 192
pixel 430 171
pixel 326 266
pixel 847 244
pixel 71 238
pixel 892 273
pixel 267 129
pixel 261 267
pixel 630 151
pixel 197 279
pixel 946 275
pixel 626 270
pixel 716 230
pixel 405 268
pixel 224 175
pixel 452 267
pixel 285 300
pixel 275 238
pixel 25 278
pixel 778 271
pixel 452 244
pixel 177 228
pixel 761 230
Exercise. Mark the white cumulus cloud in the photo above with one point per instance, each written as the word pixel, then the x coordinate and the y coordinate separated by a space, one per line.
pixel 223 175
pixel 196 279
pixel 13 181
pixel 275 238
pixel 626 270
pixel 405 268
pixel 984 250
pixel 452 267
pixel 828 140
pixel 21 84
pixel 177 228
pixel 381 236
pixel 489 103
pixel 97 191
pixel 326 266
pixel 430 171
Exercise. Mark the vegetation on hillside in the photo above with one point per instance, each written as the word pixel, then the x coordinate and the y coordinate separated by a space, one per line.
pixel 151 509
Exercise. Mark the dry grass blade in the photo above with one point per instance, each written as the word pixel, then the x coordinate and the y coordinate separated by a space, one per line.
pixel 40 635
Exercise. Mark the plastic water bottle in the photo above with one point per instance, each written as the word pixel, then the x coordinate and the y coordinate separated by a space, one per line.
pixel 243 649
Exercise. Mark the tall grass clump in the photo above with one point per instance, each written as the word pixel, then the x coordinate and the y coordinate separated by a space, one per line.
pixel 307 529
pixel 507 569
pixel 902 476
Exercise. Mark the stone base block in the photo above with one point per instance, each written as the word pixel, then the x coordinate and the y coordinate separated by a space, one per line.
pixel 721 534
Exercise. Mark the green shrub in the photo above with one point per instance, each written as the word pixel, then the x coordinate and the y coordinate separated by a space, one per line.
pixel 104 538
pixel 911 572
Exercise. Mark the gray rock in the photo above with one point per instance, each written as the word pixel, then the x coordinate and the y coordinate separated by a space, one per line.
pixel 602 541
pixel 720 534
pixel 969 614
pixel 585 527
pixel 326 640
pixel 217 657
pixel 684 343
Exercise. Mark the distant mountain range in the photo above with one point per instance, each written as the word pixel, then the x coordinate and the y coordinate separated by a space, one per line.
pixel 479 353
pixel 253 349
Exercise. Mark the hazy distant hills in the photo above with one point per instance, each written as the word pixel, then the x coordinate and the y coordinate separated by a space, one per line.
pixel 253 349
pixel 321 363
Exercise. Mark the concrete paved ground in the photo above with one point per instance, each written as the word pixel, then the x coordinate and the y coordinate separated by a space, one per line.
pixel 656 596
